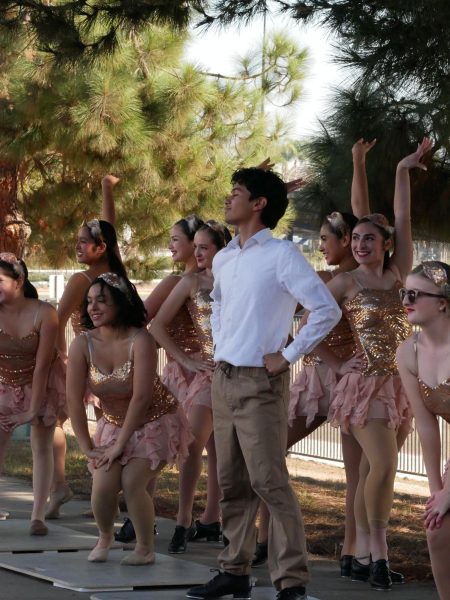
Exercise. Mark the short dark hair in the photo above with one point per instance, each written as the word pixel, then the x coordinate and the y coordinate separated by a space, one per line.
pixel 218 233
pixel 131 312
pixel 269 185
pixel 17 269
pixel 190 225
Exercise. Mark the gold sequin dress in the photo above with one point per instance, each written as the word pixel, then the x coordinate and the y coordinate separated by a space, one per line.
pixel 163 435
pixel 379 324
pixel 174 377
pixel 435 398
pixel 312 389
pixel 17 363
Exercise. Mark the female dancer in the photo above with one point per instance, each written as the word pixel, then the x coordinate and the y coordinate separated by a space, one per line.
pixel 369 401
pixel 31 375
pixel 174 377
pixel 97 248
pixel 424 366
pixel 142 428
pixel 193 292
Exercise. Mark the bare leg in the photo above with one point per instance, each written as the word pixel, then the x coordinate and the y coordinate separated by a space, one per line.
pixel 211 513
pixel 296 433
pixel 59 459
pixel 135 477
pixel 105 488
pixel 4 439
pixel 351 452
pixel 201 423
pixel 42 449
pixel 438 546
pixel 379 445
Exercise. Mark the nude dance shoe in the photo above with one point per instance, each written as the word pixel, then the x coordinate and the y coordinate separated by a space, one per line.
pixel 57 499
pixel 99 554
pixel 38 527
pixel 137 560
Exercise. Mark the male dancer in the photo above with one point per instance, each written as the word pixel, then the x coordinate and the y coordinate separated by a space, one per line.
pixel 258 281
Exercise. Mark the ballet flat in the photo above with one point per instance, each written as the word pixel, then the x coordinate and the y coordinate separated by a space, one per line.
pixel 38 527
pixel 57 499
pixel 138 559
pixel 98 555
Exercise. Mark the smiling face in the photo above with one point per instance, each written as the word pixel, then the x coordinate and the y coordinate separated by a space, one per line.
pixel 333 248
pixel 204 249
pixel 101 307
pixel 426 308
pixel 180 246
pixel 368 244
pixel 88 252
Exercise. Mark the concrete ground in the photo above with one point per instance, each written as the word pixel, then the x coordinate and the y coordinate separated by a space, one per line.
pixel 16 497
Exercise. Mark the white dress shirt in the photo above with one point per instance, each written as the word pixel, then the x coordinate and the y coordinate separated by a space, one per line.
pixel 256 291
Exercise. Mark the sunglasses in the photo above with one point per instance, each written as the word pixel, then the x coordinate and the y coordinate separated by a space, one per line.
pixel 412 295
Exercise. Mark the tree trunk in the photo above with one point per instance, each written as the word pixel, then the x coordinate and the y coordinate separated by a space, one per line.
pixel 14 230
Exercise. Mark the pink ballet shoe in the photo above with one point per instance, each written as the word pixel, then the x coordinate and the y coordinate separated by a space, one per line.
pixel 57 499
pixel 135 559
pixel 99 554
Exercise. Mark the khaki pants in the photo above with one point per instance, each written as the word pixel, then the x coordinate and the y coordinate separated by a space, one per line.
pixel 250 432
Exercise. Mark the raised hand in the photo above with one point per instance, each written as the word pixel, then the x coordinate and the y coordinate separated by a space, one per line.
pixel 360 148
pixel 295 184
pixel 266 165
pixel 414 160
pixel 110 180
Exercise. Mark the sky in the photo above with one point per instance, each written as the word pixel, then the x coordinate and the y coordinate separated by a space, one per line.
pixel 216 50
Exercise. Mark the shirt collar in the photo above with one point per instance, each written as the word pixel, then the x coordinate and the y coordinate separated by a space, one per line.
pixel 261 237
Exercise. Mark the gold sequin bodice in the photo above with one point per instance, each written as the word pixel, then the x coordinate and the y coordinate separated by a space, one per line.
pixel 115 391
pixel 340 340
pixel 17 358
pixel 75 319
pixel 199 308
pixel 437 398
pixel 379 324
pixel 182 330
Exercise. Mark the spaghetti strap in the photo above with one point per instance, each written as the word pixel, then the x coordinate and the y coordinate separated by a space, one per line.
pixel 89 343
pixel 353 276
pixel 133 337
pixel 87 276
pixel 415 338
pixel 36 314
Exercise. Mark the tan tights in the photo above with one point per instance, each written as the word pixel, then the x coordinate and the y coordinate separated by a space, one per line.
pixel 375 492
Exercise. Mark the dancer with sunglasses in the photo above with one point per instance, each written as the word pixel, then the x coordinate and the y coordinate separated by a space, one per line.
pixel 96 248
pixel 193 292
pixel 369 402
pixel 424 366
pixel 32 380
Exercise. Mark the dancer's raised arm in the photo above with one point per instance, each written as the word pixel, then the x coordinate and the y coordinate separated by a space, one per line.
pixel 402 256
pixel 360 188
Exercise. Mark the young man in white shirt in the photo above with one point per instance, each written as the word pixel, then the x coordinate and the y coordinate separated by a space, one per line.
pixel 258 281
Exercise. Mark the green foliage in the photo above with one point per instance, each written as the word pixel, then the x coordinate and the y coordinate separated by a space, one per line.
pixel 170 131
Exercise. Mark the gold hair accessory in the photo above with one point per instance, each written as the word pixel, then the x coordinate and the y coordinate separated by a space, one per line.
pixel 11 259
pixel 337 222
pixel 117 282
pixel 438 275
pixel 381 221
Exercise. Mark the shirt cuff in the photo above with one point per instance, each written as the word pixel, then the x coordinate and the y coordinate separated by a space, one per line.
pixel 290 354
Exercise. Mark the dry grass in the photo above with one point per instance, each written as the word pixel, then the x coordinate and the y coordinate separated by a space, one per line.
pixel 322 506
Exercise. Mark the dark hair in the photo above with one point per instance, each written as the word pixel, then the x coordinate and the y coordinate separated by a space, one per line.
pixel 105 233
pixel 345 226
pixel 190 225
pixel 131 312
pixel 386 233
pixel 269 185
pixel 17 270
pixel 218 233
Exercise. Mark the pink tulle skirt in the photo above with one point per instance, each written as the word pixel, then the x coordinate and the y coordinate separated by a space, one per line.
pixel 15 400
pixel 358 399
pixel 190 389
pixel 310 394
pixel 165 440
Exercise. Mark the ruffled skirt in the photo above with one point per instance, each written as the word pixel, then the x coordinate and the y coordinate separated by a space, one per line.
pixel 190 389
pixel 358 399
pixel 311 393
pixel 16 400
pixel 166 439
